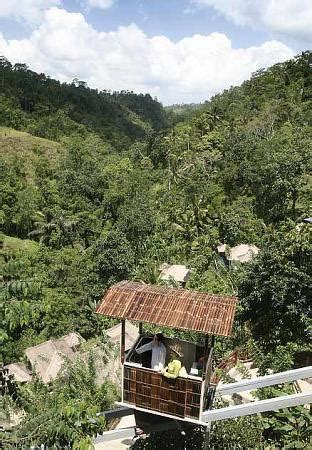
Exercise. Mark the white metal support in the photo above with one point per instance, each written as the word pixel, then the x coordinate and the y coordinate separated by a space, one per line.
pixel 267 380
pixel 271 404
pixel 121 433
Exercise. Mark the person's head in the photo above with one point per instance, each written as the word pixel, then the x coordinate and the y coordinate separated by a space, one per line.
pixel 175 353
pixel 159 338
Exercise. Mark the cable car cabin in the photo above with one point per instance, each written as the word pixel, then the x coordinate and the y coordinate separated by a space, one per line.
pixel 186 396
pixel 147 388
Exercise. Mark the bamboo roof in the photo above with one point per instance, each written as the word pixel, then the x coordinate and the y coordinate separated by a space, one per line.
pixel 176 308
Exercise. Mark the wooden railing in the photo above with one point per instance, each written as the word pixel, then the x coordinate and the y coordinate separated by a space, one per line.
pixel 230 361
pixel 148 389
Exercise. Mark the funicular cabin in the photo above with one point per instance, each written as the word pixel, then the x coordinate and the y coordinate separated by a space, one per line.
pixel 146 389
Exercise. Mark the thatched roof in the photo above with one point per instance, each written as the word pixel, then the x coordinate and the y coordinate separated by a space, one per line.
pixel 242 252
pixel 19 371
pixel 47 358
pixel 132 334
pixel 176 272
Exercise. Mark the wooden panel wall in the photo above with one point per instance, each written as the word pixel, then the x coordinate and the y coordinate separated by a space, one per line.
pixel 151 390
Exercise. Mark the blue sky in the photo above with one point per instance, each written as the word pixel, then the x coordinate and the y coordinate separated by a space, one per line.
pixel 178 50
pixel 172 18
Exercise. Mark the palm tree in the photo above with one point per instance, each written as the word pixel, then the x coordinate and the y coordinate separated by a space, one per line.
pixel 47 224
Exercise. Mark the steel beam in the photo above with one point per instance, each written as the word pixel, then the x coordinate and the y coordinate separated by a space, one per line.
pixel 267 380
pixel 271 404
pixel 117 413
pixel 112 435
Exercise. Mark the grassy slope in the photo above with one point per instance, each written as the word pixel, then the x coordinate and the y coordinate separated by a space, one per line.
pixel 11 246
pixel 14 142
pixel 25 149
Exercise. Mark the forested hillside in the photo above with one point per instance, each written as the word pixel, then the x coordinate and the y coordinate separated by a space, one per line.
pixel 50 109
pixel 97 188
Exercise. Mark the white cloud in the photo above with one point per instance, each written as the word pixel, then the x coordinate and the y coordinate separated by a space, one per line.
pixel 102 4
pixel 28 10
pixel 65 46
pixel 288 17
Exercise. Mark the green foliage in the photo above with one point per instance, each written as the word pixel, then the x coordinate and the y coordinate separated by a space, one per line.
pixel 239 223
pixel 114 194
pixel 290 427
pixel 112 261
pixel 20 303
pixel 275 172
pixel 192 438
pixel 275 290
pixel 55 126
pixel 51 109
pixel 282 358
pixel 10 114
pixel 64 413
pixel 136 220
pixel 240 433
pixel 42 296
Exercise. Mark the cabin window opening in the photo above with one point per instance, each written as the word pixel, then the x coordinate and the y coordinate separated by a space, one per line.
pixel 192 355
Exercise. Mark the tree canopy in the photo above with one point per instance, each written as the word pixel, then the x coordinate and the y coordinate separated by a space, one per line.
pixel 99 186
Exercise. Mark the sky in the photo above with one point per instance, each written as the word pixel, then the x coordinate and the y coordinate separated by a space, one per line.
pixel 180 51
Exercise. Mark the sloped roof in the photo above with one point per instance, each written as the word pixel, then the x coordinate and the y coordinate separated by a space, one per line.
pixel 241 252
pixel 40 357
pixel 72 339
pixel 221 248
pixel 55 366
pixel 132 334
pixel 47 358
pixel 176 308
pixel 19 371
pixel 176 271
pixel 107 365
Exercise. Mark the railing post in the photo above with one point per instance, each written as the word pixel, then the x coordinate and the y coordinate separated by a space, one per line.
pixel 236 357
pixel 122 341
pixel 205 355
pixel 207 371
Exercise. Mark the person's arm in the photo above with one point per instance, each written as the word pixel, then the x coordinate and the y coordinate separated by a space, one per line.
pixel 175 369
pixel 170 375
pixel 161 367
pixel 162 361
pixel 144 348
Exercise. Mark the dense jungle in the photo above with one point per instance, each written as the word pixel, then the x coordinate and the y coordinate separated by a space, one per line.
pixel 99 186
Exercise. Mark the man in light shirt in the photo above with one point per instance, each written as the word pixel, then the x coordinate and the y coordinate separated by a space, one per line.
pixel 158 351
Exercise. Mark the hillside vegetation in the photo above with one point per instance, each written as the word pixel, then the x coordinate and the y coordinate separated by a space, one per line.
pixel 26 148
pixel 50 109
pixel 106 190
